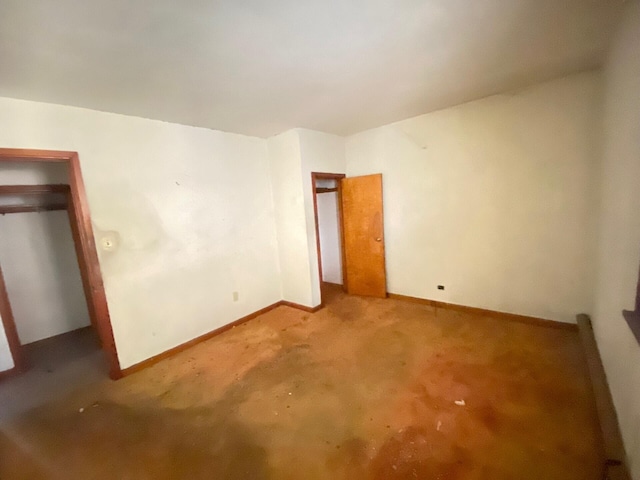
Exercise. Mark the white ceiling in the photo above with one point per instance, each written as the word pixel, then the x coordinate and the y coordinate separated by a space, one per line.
pixel 260 67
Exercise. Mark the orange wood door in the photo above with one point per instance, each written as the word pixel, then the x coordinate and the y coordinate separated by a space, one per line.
pixel 363 230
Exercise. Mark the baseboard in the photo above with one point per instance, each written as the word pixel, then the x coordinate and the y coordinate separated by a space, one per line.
pixel 184 346
pixel 615 465
pixel 301 307
pixel 488 313
pixel 478 311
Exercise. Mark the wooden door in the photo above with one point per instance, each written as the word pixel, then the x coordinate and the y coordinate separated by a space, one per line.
pixel 363 230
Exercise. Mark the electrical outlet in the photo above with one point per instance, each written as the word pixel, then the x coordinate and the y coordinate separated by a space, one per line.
pixel 235 296
pixel 440 287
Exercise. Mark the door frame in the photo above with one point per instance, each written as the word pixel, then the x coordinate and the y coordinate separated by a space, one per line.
pixel 82 230
pixel 337 177
pixel 15 348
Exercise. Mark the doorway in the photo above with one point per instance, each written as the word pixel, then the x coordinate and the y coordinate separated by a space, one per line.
pixel 350 236
pixel 72 197
pixel 327 203
pixel 39 263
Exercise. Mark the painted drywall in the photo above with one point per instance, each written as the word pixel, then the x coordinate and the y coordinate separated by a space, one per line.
pixel 492 199
pixel 41 273
pixel 293 156
pixel 33 173
pixel 619 245
pixel 329 237
pixel 285 167
pixel 183 218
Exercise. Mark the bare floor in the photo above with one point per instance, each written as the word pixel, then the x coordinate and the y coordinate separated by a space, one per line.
pixel 56 365
pixel 363 389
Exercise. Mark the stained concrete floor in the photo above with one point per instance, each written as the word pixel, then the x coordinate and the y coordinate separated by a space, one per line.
pixel 363 389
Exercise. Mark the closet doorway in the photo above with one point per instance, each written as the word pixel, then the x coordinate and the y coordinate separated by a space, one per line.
pixel 350 233
pixel 327 202
pixel 70 196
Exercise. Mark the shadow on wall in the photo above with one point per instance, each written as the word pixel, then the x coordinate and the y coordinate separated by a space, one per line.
pixel 66 270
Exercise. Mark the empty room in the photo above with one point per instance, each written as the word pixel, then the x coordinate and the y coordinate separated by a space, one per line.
pixel 320 240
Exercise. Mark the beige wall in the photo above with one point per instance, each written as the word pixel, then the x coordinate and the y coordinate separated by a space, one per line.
pixel 619 245
pixel 33 173
pixel 285 166
pixel 492 199
pixel 293 156
pixel 168 199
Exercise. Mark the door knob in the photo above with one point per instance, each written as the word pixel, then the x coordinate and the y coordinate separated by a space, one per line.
pixel 378 239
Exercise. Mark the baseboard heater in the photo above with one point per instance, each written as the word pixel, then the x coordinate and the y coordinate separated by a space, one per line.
pixel 615 466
